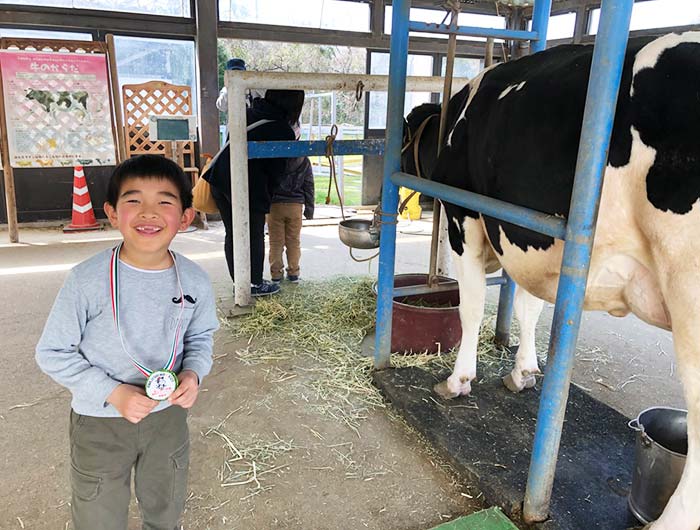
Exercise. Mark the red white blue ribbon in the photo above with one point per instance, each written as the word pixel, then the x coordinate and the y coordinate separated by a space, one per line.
pixel 114 290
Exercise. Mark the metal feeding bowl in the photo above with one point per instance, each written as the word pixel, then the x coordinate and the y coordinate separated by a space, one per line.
pixel 358 233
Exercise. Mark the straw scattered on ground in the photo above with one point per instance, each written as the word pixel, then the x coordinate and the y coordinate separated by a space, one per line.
pixel 309 339
pixel 325 323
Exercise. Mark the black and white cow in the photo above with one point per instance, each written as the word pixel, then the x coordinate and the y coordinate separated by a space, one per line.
pixel 513 135
pixel 63 100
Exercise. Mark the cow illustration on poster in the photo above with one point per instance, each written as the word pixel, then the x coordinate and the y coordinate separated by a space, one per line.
pixel 57 108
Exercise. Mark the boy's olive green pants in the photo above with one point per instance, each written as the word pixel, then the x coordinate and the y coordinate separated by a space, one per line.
pixel 103 453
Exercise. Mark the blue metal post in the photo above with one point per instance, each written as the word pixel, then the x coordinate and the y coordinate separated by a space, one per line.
pixel 390 192
pixel 540 21
pixel 606 70
pixel 505 311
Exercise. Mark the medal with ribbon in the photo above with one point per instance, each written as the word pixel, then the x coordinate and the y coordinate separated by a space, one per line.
pixel 160 384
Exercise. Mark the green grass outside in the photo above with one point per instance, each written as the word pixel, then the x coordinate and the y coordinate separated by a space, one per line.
pixel 353 190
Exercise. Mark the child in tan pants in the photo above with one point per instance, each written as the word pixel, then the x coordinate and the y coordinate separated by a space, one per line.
pixel 293 196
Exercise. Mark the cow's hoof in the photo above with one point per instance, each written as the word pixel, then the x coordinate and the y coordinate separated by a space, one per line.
pixel 510 384
pixel 527 381
pixel 443 390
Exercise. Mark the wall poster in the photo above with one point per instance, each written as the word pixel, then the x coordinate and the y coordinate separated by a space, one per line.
pixel 57 109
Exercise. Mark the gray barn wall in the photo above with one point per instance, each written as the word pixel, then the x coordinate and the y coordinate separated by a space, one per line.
pixel 47 194
pixel 372 169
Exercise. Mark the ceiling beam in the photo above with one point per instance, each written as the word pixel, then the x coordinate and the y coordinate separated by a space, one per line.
pixel 480 9
pixel 247 31
pixel 86 20
pixel 567 6
pixel 655 32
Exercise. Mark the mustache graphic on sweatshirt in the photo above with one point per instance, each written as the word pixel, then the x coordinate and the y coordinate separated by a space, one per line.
pixel 187 297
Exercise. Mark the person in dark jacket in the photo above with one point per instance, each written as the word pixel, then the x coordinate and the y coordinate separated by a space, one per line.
pixel 294 193
pixel 282 108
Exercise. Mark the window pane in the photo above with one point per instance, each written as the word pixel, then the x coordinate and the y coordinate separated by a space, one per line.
pixel 656 14
pixel 47 3
pixel 464 67
pixel 174 8
pixel 323 14
pixel 417 65
pixel 39 34
pixel 140 60
pixel 560 26
pixel 264 56
pixel 436 16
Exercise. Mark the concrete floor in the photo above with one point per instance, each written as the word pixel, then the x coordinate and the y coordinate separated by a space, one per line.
pixel 383 478
pixel 622 361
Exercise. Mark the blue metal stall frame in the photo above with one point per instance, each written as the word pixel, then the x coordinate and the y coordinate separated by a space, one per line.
pixel 578 232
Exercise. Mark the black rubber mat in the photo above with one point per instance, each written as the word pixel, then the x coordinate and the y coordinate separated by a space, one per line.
pixel 488 437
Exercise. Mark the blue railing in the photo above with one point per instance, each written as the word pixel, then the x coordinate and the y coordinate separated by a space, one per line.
pixel 512 213
pixel 470 31
pixel 578 232
pixel 606 71
pixel 314 148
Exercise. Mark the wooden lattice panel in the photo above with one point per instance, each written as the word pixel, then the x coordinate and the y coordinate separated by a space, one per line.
pixel 155 97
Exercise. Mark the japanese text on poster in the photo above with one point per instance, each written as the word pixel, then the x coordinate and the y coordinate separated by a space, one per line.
pixel 57 109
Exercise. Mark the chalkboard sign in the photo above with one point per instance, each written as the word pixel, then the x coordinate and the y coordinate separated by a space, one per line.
pixel 172 128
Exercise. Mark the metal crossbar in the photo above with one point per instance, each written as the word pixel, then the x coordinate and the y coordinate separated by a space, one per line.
pixel 518 215
pixel 314 148
pixel 471 31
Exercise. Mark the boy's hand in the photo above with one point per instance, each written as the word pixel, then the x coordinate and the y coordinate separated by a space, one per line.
pixel 131 402
pixel 186 393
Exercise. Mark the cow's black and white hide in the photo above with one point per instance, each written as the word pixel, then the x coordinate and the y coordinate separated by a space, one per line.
pixel 514 134
pixel 54 102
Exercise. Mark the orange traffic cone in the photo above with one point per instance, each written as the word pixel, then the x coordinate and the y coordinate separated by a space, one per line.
pixel 83 215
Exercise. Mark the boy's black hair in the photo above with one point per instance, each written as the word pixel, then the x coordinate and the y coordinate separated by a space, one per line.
pixel 150 166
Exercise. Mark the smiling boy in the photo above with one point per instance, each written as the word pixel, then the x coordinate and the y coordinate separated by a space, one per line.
pixel 130 335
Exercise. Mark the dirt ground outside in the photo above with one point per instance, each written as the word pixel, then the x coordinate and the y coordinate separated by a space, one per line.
pixel 312 471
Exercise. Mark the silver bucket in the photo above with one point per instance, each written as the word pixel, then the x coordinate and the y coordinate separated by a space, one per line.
pixel 662 445
pixel 359 233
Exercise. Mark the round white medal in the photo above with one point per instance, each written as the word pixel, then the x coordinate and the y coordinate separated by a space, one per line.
pixel 160 384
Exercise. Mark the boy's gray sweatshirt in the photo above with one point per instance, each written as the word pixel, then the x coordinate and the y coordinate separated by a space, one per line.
pixel 80 347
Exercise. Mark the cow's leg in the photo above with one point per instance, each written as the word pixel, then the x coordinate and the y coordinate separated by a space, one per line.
pixel 527 310
pixel 470 273
pixel 681 295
